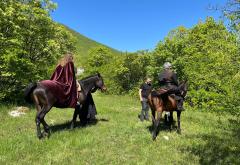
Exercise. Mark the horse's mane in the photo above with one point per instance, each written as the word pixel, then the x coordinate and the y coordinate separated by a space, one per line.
pixel 86 79
pixel 182 84
pixel 91 76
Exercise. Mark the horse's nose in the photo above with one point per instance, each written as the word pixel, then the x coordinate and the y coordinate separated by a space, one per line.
pixel 104 88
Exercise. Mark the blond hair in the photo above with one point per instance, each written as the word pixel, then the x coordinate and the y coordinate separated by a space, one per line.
pixel 68 57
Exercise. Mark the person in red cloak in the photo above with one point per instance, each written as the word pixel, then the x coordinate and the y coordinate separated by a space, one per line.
pixel 63 83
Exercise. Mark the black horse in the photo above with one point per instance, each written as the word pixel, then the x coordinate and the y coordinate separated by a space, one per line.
pixel 44 100
pixel 85 98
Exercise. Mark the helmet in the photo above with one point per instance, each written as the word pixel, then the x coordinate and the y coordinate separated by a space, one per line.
pixel 167 65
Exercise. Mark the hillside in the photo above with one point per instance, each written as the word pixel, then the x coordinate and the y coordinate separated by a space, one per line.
pixel 83 45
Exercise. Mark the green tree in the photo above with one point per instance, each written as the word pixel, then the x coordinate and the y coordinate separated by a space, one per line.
pixel 99 56
pixel 207 56
pixel 171 49
pixel 100 60
pixel 30 43
pixel 232 12
pixel 122 73
pixel 131 71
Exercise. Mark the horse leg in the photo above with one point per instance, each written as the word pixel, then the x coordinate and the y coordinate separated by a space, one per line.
pixel 153 117
pixel 41 115
pixel 39 134
pixel 38 122
pixel 170 121
pixel 46 128
pixel 178 120
pixel 171 117
pixel 83 114
pixel 156 124
pixel 76 112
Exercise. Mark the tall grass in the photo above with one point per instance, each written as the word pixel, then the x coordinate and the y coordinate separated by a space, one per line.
pixel 119 137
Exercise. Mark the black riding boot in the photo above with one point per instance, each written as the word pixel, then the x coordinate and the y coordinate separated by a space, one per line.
pixel 141 116
pixel 146 115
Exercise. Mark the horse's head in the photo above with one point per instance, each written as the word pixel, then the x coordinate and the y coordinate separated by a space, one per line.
pixel 183 88
pixel 99 83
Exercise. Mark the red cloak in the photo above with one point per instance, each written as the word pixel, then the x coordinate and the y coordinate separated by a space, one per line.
pixel 63 86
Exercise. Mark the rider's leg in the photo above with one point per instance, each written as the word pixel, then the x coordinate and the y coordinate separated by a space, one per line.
pixel 146 116
pixel 78 92
pixel 141 116
pixel 145 108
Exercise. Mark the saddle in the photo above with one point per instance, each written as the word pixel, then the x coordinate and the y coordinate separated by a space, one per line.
pixel 79 88
pixel 161 91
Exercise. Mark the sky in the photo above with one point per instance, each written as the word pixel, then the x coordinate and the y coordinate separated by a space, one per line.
pixel 131 25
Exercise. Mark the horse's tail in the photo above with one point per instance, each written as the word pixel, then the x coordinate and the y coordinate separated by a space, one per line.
pixel 28 91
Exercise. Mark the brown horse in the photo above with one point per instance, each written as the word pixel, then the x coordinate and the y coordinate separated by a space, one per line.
pixel 44 100
pixel 164 102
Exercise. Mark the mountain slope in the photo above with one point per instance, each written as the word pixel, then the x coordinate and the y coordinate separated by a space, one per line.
pixel 83 45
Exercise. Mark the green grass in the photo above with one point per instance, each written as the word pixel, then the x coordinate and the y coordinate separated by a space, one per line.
pixel 119 138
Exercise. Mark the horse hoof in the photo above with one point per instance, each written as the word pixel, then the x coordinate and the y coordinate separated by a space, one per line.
pixel 40 136
pixel 179 132
pixel 72 126
pixel 154 136
pixel 46 134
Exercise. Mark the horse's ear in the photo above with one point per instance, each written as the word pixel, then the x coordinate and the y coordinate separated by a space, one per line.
pixel 184 82
pixel 99 75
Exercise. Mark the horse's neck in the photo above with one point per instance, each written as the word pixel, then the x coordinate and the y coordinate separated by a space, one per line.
pixel 182 89
pixel 88 84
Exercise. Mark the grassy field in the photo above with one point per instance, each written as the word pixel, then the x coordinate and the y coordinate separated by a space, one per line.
pixel 119 138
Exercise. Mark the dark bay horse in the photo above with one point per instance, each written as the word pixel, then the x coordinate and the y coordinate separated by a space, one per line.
pixel 164 102
pixel 44 100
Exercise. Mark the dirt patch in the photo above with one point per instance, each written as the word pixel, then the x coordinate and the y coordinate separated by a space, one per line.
pixel 18 111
